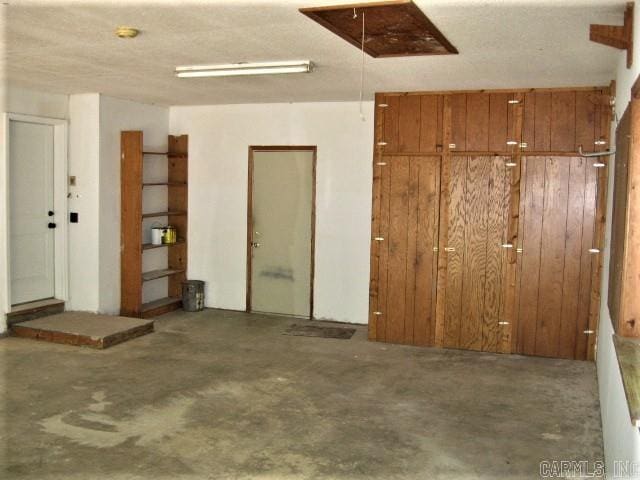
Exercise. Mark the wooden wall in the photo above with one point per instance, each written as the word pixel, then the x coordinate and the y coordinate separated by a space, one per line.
pixel 485 220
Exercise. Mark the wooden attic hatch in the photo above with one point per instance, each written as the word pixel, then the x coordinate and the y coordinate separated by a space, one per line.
pixel 392 28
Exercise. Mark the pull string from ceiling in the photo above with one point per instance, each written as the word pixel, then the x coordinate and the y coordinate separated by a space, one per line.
pixel 355 16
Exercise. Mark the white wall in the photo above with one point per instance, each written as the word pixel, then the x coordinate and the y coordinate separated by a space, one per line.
pixel 219 138
pixel 26 102
pixel 117 115
pixel 84 157
pixel 621 439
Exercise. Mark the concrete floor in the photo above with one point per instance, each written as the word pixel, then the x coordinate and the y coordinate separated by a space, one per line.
pixel 225 395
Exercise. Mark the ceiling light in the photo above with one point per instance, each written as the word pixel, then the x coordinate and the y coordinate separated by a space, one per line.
pixel 127 32
pixel 234 69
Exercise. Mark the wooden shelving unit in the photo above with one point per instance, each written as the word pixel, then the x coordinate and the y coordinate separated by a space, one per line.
pixel 132 277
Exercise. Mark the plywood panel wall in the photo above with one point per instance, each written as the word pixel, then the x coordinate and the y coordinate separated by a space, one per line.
pixel 513 201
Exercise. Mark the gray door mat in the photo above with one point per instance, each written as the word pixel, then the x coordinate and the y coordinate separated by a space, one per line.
pixel 322 332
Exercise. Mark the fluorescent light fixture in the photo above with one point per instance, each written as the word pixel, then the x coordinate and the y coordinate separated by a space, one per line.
pixel 235 69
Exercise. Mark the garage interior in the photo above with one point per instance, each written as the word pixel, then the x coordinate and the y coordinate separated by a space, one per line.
pixel 298 240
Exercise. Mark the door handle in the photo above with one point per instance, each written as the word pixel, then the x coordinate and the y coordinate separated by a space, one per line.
pixel 51 225
pixel 255 244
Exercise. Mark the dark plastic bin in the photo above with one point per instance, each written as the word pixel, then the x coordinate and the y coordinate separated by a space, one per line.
pixel 193 295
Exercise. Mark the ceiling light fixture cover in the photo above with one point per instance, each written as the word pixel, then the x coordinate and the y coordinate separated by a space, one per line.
pixel 236 69
pixel 127 32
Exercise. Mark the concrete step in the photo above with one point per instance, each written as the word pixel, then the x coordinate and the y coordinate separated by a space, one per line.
pixel 33 310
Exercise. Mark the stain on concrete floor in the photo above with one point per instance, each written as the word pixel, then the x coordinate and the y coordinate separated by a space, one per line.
pixel 223 395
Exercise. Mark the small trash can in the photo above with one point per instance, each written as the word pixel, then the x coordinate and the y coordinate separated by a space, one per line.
pixel 193 295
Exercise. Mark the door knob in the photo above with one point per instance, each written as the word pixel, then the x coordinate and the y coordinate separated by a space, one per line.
pixel 51 225
pixel 50 213
pixel 255 244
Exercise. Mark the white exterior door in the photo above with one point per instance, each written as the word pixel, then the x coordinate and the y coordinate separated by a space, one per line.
pixel 31 154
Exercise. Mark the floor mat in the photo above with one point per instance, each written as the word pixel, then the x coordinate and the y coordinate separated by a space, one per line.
pixel 322 332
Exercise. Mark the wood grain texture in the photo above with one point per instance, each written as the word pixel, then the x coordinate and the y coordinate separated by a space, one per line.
pixel 619 215
pixel 393 28
pixel 178 200
pixel 426 259
pixel 455 259
pixel 481 299
pixel 478 221
pixel 430 122
pixel 406 269
pixel 563 121
pixel 475 253
pixel 458 121
pixel 498 198
pixel 560 204
pixel 131 223
pixel 383 248
pixel 391 124
pixel 499 121
pixel 409 117
pixel 532 214
pixel 585 121
pixel 552 255
pixel 542 121
pixel 477 123
pixel 375 218
pixel 629 322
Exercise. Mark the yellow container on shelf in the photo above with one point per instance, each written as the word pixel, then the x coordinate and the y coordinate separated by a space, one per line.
pixel 169 235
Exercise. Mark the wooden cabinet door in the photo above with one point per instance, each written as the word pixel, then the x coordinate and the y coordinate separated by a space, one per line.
pixel 558 220
pixel 403 265
pixel 476 253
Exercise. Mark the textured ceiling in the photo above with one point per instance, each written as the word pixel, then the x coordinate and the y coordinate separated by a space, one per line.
pixel 69 47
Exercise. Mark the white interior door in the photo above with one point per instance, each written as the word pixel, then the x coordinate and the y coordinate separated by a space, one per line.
pixel 31 155
pixel 282 208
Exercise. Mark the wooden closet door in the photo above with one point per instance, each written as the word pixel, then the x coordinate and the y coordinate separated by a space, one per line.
pixel 558 217
pixel 478 212
pixel 405 231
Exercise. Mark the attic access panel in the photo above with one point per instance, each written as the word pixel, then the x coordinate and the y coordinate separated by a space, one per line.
pixel 392 28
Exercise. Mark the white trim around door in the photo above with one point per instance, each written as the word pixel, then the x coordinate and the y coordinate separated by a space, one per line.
pixel 60 190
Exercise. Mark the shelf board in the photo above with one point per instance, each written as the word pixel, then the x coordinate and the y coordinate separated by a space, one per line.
pixel 150 246
pixel 167 154
pixel 166 272
pixel 169 184
pixel 160 303
pixel 164 214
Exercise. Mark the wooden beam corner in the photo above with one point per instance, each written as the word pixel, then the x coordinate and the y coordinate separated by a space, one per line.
pixel 620 37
